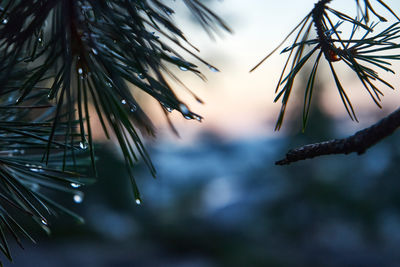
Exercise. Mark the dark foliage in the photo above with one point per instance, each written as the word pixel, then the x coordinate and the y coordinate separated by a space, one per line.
pixel 363 55
pixel 60 58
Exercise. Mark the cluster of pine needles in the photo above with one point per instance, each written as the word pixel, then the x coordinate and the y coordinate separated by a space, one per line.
pixel 65 62
pixel 362 50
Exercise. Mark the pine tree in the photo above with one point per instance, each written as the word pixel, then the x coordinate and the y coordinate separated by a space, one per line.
pixel 64 62
pixel 363 50
pixel 59 58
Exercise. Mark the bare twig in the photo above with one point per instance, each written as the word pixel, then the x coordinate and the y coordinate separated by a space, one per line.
pixel 359 142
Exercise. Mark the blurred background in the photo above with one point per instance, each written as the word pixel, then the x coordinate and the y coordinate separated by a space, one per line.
pixel 218 199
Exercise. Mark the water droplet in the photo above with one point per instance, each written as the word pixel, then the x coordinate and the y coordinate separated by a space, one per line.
pixel 168 11
pixel 83 145
pixel 133 108
pixel 123 101
pixel 44 221
pixel 94 51
pixel 138 201
pixel 34 169
pixel 183 68
pixel 80 70
pixel 167 108
pixel 213 69
pixel 109 84
pixel 141 76
pixel 75 185
pixel 39 40
pixel 5 21
pixel 184 109
pixel 78 198
pixel 198 118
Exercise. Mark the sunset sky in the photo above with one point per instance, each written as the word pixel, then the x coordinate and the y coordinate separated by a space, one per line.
pixel 240 104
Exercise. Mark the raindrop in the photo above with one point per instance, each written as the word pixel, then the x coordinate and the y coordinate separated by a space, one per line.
pixel 109 84
pixel 5 21
pixel 44 221
pixel 133 108
pixel 123 101
pixel 141 76
pixel 213 69
pixel 182 68
pixel 184 109
pixel 167 108
pixel 78 198
pixel 83 145
pixel 138 201
pixel 34 169
pixel 168 11
pixel 198 118
pixel 75 185
pixel 39 40
pixel 94 51
pixel 80 71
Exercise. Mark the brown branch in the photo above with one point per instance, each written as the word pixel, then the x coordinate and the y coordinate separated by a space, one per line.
pixel 359 142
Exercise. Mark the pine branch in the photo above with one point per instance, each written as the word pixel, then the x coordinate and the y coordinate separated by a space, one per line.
pixel 97 53
pixel 359 142
pixel 362 55
pixel 59 58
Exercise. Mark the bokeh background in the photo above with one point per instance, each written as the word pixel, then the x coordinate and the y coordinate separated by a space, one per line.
pixel 218 199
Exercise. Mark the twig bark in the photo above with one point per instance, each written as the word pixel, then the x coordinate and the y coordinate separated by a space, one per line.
pixel 359 142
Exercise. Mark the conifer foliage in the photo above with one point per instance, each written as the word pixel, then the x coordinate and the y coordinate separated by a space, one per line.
pixel 363 50
pixel 371 50
pixel 63 62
